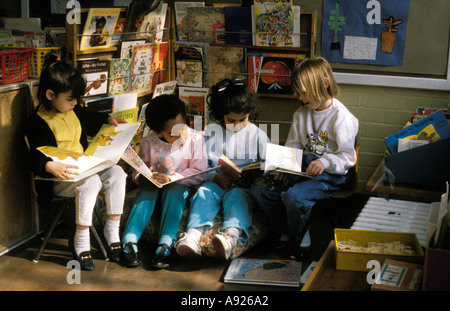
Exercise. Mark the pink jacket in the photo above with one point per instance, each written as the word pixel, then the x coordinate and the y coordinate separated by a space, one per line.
pixel 175 162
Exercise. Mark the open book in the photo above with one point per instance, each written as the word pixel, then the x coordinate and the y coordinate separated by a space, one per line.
pixel 245 175
pixel 103 152
pixel 132 158
pixel 284 160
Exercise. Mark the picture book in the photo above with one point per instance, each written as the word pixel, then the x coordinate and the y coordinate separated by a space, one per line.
pixel 102 104
pixel 132 158
pixel 126 47
pixel 136 12
pixel 117 32
pixel 270 73
pixel 189 65
pixel 244 176
pixel 195 100
pixel 238 25
pixel 120 76
pixel 398 276
pixel 264 272
pixel 125 101
pixel 96 74
pixel 200 23
pixel 142 67
pixel 99 28
pixel 129 115
pixel 431 128
pixel 103 152
pixel 160 59
pixel 151 27
pixel 225 63
pixel 180 16
pixel 283 159
pixel 274 22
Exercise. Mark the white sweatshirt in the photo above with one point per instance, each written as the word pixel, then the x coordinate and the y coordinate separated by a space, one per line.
pixel 329 134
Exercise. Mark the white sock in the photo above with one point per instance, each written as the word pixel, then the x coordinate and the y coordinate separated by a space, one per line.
pixel 111 231
pixel 195 232
pixel 82 241
pixel 234 234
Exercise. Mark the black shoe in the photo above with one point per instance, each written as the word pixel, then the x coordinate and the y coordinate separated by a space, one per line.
pixel 85 260
pixel 130 259
pixel 114 251
pixel 300 253
pixel 160 260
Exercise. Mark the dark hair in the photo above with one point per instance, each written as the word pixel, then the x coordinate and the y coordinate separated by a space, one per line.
pixel 162 109
pixel 101 20
pixel 59 77
pixel 230 96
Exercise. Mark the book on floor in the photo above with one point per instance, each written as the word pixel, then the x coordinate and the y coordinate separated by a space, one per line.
pixel 264 272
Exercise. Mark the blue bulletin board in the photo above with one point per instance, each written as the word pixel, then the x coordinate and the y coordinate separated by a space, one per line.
pixel 364 31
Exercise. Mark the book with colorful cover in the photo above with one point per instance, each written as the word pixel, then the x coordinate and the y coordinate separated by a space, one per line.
pixel 151 23
pixel 181 15
pixel 225 63
pixel 274 23
pixel 431 128
pixel 103 152
pixel 270 73
pixel 160 60
pixel 142 67
pixel 272 272
pixel 200 23
pixel 190 63
pixel 120 76
pixel 195 100
pixel 99 27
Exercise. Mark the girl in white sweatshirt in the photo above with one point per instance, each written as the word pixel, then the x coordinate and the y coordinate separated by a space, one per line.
pixel 326 131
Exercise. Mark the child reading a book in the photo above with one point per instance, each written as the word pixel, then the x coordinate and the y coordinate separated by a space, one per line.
pixel 231 104
pixel 172 150
pixel 60 121
pixel 325 130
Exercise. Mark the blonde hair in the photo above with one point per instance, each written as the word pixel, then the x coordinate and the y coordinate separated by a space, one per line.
pixel 311 76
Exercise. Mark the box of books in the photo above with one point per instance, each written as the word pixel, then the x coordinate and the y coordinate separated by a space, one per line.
pixel 360 250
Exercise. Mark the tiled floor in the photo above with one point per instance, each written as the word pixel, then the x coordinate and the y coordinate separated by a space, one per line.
pixel 19 273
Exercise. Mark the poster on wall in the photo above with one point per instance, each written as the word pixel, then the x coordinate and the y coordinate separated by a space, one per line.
pixel 364 31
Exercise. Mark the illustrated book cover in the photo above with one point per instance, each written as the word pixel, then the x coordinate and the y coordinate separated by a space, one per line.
pixel 283 159
pixel 99 28
pixel 96 74
pixel 126 47
pixel 274 23
pixel 160 60
pixel 190 64
pixel 153 24
pixel 142 67
pixel 270 73
pixel 181 15
pixel 225 63
pixel 431 128
pixel 120 76
pixel 200 23
pixel 132 158
pixel 103 152
pixel 264 272
pixel 195 100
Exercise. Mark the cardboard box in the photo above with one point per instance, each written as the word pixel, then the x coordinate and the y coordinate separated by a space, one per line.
pixel 357 260
pixel 424 165
pixel 399 276
pixel 437 270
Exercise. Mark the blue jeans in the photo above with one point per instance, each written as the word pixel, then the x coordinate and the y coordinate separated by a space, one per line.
pixel 173 200
pixel 237 207
pixel 288 207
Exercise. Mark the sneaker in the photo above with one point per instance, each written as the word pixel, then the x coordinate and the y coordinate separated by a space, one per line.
pixel 187 246
pixel 224 244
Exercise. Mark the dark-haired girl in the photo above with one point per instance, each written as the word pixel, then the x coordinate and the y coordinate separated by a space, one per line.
pixel 60 121
pixel 231 104
pixel 171 150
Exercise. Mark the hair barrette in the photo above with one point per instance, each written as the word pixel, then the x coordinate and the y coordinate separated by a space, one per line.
pixel 58 59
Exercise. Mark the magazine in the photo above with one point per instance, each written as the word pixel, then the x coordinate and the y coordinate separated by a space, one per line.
pixel 264 272
pixel 103 152
pixel 99 27
pixel 132 158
